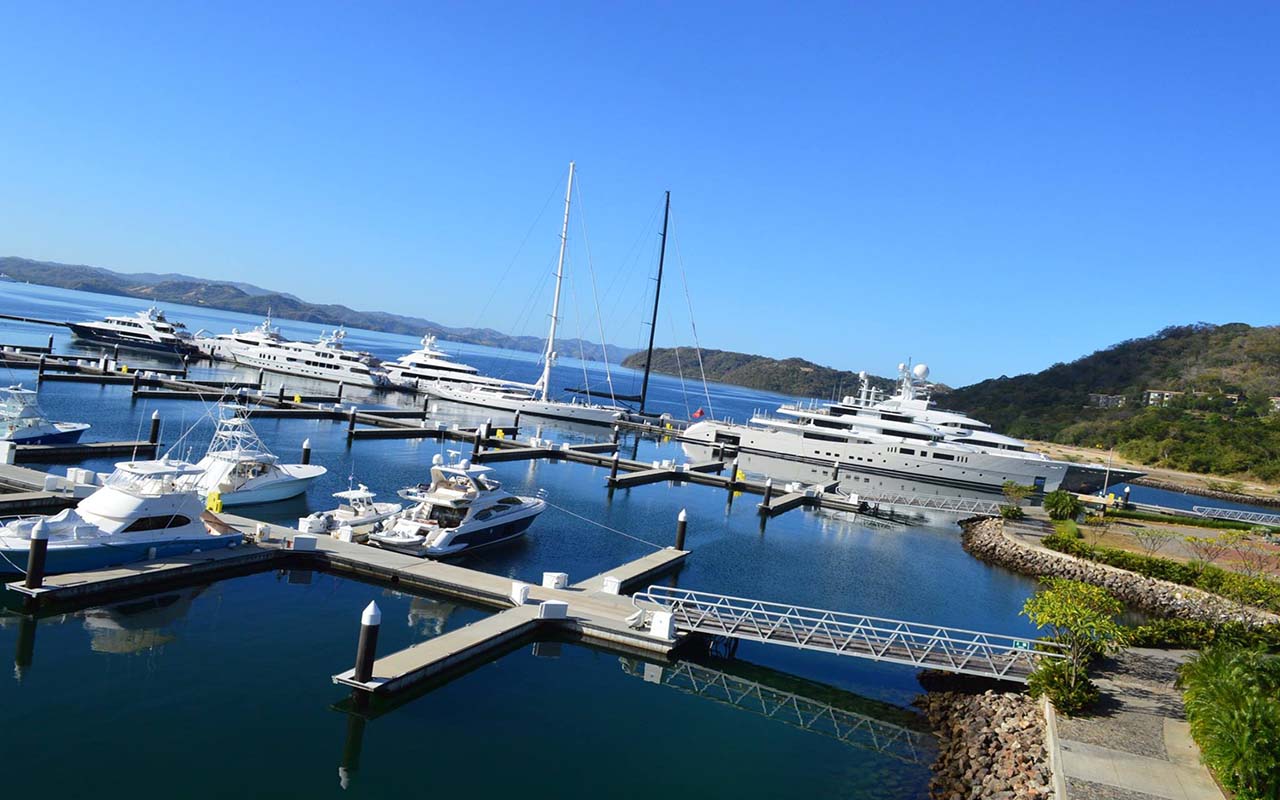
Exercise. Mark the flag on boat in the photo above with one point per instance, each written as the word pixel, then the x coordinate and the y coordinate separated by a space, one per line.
pixel 699 414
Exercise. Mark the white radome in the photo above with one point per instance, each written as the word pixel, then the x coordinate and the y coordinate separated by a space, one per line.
pixel 921 371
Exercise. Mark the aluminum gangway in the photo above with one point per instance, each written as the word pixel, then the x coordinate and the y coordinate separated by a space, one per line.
pixel 851 728
pixel 959 505
pixel 1239 515
pixel 914 644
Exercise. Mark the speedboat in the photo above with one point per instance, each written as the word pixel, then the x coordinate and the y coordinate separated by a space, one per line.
pixel 358 510
pixel 145 330
pixel 143 511
pixel 238 469
pixel 22 421
pixel 463 508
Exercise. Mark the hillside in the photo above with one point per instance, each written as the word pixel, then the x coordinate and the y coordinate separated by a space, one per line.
pixel 790 376
pixel 250 299
pixel 1202 430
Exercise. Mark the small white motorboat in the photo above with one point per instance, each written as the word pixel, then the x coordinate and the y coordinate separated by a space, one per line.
pixel 143 511
pixel 238 469
pixel 357 511
pixel 463 508
pixel 22 421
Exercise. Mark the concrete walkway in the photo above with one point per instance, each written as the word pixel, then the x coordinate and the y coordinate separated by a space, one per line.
pixel 1138 745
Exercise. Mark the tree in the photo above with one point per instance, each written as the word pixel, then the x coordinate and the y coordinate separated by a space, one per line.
pixel 1061 504
pixel 1209 549
pixel 1083 618
pixel 1096 527
pixel 1153 540
pixel 1015 492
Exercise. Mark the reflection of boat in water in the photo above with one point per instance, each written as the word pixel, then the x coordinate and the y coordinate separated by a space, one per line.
pixel 857 721
pixel 876 491
pixel 463 508
pixel 429 616
pixel 138 624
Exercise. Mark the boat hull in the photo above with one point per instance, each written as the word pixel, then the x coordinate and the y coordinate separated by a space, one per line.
pixel 97 556
pixel 569 412
pixel 90 334
pixel 473 539
pixel 69 435
pixel 278 490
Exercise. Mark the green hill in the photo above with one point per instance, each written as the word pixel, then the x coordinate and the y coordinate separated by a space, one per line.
pixel 250 299
pixel 790 376
pixel 1202 430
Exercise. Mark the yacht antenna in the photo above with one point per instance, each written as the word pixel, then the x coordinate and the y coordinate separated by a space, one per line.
pixel 545 381
pixel 657 294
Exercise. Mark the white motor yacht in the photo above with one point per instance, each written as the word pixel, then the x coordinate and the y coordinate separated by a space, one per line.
pixel 238 469
pixel 325 359
pixel 22 421
pixel 903 440
pixel 429 365
pixel 145 330
pixel 357 510
pixel 463 508
pixel 144 510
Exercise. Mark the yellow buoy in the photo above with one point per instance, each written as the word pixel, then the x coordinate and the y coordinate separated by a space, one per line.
pixel 214 502
pixel 499 434
pixel 297 398
pixel 124 368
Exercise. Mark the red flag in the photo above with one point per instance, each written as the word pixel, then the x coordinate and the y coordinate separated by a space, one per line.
pixel 698 414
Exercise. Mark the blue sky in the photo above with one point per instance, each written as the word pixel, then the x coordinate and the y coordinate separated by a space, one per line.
pixel 987 187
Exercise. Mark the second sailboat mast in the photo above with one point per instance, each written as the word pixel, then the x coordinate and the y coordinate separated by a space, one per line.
pixel 550 355
pixel 657 295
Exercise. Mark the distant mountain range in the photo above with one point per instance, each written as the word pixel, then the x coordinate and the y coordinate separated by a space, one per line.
pixel 791 376
pixel 251 299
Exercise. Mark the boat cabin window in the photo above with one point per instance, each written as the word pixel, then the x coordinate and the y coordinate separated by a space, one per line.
pixel 447 516
pixel 907 451
pixel 509 501
pixel 944 456
pixel 158 523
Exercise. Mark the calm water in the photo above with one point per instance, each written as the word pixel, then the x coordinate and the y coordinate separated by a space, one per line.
pixel 226 688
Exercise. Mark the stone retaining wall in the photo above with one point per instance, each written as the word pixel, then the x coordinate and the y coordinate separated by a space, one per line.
pixel 990 745
pixel 986 539
pixel 1231 497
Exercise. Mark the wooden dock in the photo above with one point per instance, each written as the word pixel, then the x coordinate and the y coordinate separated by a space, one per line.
pixel 47 453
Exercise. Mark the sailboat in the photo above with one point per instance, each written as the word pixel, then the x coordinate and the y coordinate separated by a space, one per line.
pixel 534 400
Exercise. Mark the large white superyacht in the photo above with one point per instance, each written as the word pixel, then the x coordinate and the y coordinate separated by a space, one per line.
pixel 325 359
pixel 904 438
pixel 429 364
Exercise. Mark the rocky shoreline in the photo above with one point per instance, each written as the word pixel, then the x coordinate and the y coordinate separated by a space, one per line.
pixel 1230 497
pixel 986 540
pixel 990 745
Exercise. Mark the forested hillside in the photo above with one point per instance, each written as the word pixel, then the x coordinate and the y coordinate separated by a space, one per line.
pixel 1202 430
pixel 792 376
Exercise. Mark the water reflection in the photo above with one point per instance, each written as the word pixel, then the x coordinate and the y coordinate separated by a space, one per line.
pixel 138 625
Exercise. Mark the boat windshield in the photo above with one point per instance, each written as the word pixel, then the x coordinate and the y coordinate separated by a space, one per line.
pixel 447 516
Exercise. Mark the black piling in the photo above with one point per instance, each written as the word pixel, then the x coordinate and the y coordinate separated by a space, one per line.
pixel 115 353
pixel 515 423
pixel 733 476
pixel 617 432
pixel 341 386
pixel 262 376
pixel 835 471
pixel 280 395
pixel 366 649
pixel 51 343
pixel 154 435
pixel 482 433
pixel 26 649
pixel 40 370
pixel 137 381
pixel 351 749
pixel 682 525
pixel 186 362
pixel 306 451
pixel 351 423
pixel 37 555
pixel 613 469
pixel 768 492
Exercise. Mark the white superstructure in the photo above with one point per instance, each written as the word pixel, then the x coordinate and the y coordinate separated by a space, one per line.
pixel 239 469
pixel 325 359
pixel 429 365
pixel 904 439
pixel 145 330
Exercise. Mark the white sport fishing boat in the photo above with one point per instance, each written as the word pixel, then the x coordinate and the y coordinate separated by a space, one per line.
pixel 325 359
pixel 357 510
pixel 22 421
pixel 238 469
pixel 146 330
pixel 904 439
pixel 533 400
pixel 462 509
pixel 144 510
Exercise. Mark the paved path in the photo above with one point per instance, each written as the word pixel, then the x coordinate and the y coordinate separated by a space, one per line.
pixel 1138 746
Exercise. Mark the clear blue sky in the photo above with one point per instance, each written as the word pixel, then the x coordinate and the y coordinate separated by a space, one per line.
pixel 854 183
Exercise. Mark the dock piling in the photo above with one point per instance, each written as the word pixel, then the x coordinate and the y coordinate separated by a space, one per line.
pixel 40 369
pixel 682 525
pixel 37 555
pixel 351 749
pixel 26 649
pixel 733 476
pixel 306 451
pixel 280 395
pixel 262 376
pixel 613 469
pixel 366 649
pixel 115 354
pixel 351 423
pixel 617 431
pixel 768 492
pixel 154 435
pixel 341 386
pixel 515 423
pixel 137 381
pixel 51 343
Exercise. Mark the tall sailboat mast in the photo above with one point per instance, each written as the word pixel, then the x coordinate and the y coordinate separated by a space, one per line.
pixel 657 294
pixel 545 381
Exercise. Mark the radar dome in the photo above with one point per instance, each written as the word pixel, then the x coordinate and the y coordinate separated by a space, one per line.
pixel 921 371
pixel 902 367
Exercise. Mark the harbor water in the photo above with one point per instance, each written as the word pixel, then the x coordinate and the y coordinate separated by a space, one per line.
pixel 226 687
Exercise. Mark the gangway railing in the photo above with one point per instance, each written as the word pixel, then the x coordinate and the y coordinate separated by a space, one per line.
pixel 1239 515
pixel 914 644
pixel 960 505
pixel 854 729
